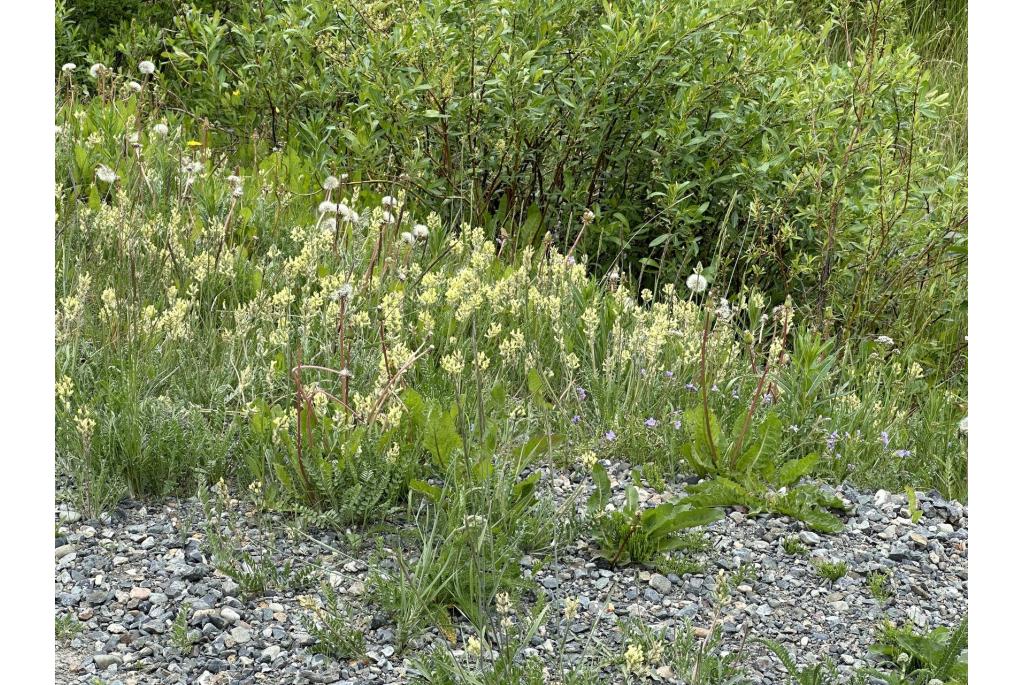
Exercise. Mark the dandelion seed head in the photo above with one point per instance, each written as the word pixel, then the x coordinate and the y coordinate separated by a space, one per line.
pixel 348 214
pixel 69 67
pixel 135 86
pixel 697 283
pixel 331 182
pixel 420 232
pixel 408 238
pixel 327 207
pixel 160 129
pixel 388 201
pixel 97 70
pixel 146 67
pixel 105 174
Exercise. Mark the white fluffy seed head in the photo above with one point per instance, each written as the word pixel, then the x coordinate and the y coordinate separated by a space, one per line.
pixel 408 238
pixel 105 174
pixel 97 69
pixel 147 67
pixel 697 283
pixel 327 207
pixel 135 86
pixel 69 67
pixel 389 201
pixel 331 182
pixel 160 129
pixel 420 232
pixel 349 215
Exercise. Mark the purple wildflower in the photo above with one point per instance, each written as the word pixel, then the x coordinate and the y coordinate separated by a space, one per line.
pixel 903 454
pixel 830 443
pixel 691 387
pixel 677 424
pixel 885 439
pixel 581 394
pixel 669 374
pixel 610 436
pixel 576 418
pixel 767 399
pixel 651 422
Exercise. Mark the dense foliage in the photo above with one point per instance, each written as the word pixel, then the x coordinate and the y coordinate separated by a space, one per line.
pixel 357 257
pixel 725 134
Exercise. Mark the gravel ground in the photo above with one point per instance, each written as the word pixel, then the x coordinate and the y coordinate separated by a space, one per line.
pixel 128 575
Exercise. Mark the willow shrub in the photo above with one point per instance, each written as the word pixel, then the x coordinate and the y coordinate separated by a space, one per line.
pixel 732 134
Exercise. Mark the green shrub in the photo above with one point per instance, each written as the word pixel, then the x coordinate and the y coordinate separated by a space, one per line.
pixel 720 134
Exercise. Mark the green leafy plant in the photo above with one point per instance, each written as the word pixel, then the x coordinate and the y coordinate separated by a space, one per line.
pixel 66 626
pixel 823 673
pixel 919 658
pixel 637 535
pixel 180 636
pixel 740 465
pixel 915 511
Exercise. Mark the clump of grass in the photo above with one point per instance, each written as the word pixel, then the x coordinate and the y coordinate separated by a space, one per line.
pixel 794 547
pixel 831 570
pixel 66 627
pixel 878 586
pixel 333 626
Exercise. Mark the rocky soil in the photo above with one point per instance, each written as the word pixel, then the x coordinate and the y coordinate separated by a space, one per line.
pixel 151 607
